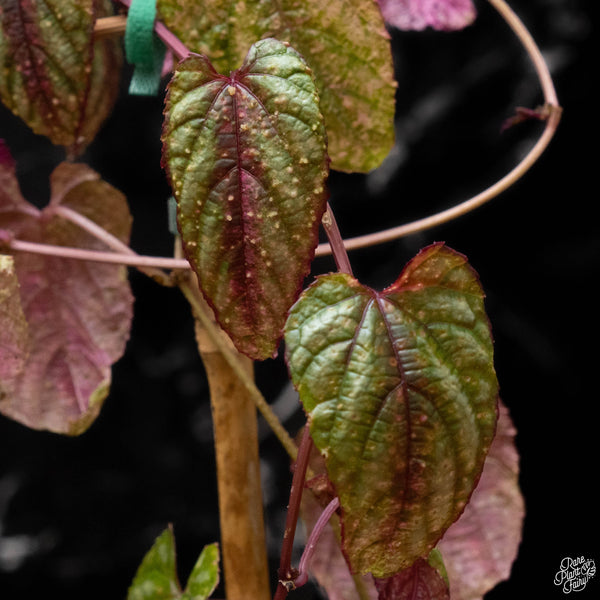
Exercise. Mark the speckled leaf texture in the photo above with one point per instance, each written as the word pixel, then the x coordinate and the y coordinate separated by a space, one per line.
pixel 401 395
pixel 480 548
pixel 344 42
pixel 78 313
pixel 247 160
pixel 156 578
pixel 52 73
pixel 328 566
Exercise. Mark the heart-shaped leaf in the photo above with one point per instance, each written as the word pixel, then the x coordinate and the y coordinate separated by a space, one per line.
pixel 401 395
pixel 444 15
pixel 79 314
pixel 344 43
pixel 479 549
pixel 246 156
pixel 156 577
pixel 52 73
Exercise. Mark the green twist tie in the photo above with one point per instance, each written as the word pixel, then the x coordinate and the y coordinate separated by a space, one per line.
pixel 143 48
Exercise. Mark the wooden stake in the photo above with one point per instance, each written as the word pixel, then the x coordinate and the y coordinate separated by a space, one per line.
pixel 243 544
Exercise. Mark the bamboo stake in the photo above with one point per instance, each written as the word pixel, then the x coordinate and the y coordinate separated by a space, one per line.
pixel 243 545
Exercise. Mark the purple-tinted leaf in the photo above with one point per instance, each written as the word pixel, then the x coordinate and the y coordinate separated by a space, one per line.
pixel 52 73
pixel 401 395
pixel 79 313
pixel 445 15
pixel 480 547
pixel 246 155
pixel 420 581
pixel 14 337
pixel 344 43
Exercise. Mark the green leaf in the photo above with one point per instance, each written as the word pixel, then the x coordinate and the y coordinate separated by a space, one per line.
pixel 246 156
pixel 345 44
pixel 156 577
pixel 79 313
pixel 52 73
pixel 401 395
pixel 205 575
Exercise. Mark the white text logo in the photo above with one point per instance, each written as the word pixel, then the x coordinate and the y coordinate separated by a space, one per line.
pixel 574 573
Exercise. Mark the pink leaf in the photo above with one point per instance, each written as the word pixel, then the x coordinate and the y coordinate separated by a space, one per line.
pixel 421 581
pixel 444 15
pixel 13 326
pixel 480 547
pixel 79 313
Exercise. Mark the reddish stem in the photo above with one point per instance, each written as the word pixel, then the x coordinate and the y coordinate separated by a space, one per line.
pixel 313 538
pixel 170 40
pixel 285 573
pixel 336 242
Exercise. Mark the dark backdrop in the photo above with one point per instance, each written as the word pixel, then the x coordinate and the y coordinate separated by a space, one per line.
pixel 77 515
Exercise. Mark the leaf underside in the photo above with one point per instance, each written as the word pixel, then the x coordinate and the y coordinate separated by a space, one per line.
pixel 78 313
pixel 246 156
pixel 419 581
pixel 443 15
pixel 52 73
pixel 401 395
pixel 15 335
pixel 480 548
pixel 345 44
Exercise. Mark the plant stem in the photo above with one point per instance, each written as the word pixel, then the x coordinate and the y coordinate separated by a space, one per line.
pixel 313 538
pixel 101 256
pixel 551 101
pixel 170 40
pixel 107 238
pixel 243 546
pixel 285 573
pixel 336 242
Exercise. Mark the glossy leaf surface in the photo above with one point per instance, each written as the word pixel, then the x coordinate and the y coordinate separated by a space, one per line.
pixel 444 15
pixel 344 42
pixel 52 73
pixel 419 581
pixel 246 156
pixel 401 395
pixel 156 578
pixel 479 549
pixel 79 314
pixel 328 566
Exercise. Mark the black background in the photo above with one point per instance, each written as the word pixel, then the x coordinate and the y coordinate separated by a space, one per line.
pixel 77 515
